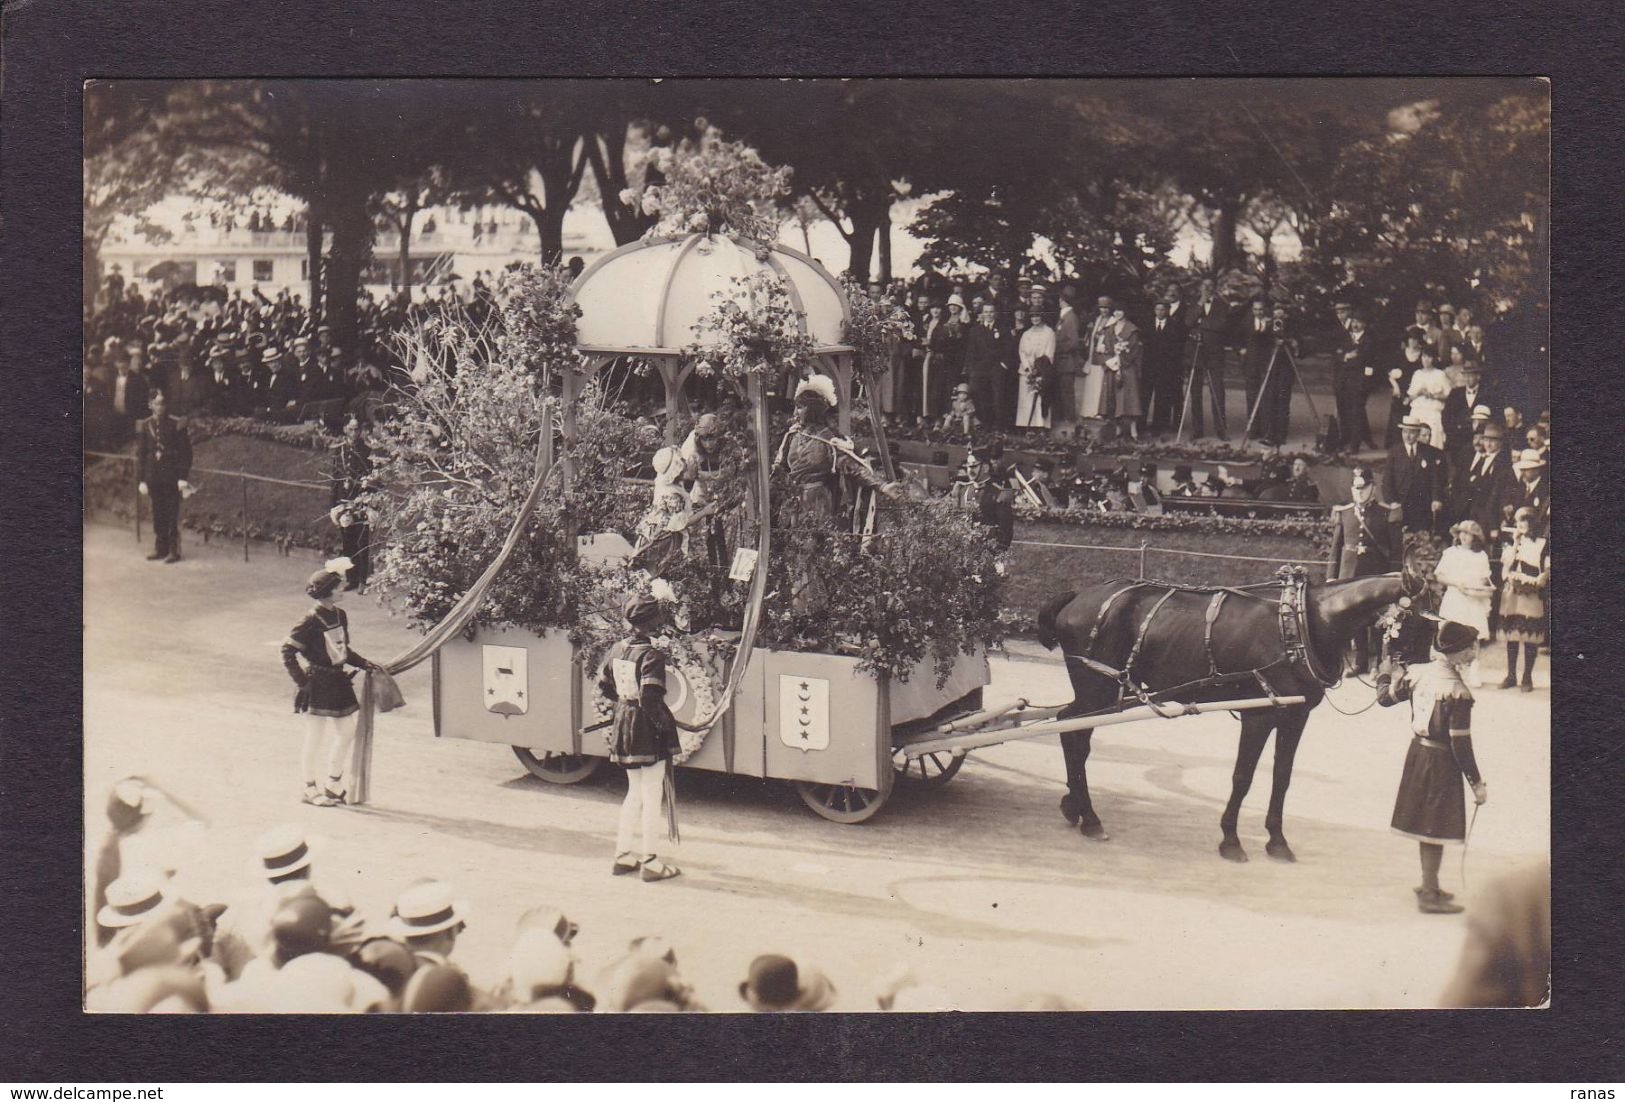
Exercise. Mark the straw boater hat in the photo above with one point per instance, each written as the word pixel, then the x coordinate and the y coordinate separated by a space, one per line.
pixel 131 900
pixel 427 908
pixel 821 387
pixel 1482 413
pixel 1528 460
pixel 282 851
pixel 1411 421
pixel 777 983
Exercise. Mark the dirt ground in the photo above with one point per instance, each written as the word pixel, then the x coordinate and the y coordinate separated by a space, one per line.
pixel 979 886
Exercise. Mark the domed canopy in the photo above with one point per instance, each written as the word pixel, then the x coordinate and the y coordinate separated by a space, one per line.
pixel 647 298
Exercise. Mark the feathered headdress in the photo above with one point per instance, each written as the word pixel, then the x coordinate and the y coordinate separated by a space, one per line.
pixel 820 385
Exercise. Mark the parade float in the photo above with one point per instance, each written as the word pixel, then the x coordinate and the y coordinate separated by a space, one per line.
pixel 802 655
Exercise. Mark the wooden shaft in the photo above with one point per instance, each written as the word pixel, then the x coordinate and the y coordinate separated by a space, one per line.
pixel 961 742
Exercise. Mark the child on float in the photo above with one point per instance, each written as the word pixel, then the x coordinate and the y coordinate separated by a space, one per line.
pixel 325 695
pixel 643 738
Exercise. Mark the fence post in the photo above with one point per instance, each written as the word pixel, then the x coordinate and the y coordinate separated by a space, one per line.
pixel 1143 545
pixel 243 482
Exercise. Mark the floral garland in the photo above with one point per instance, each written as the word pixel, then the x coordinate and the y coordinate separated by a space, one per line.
pixel 1316 529
pixel 1087 446
pixel 754 329
pixel 307 434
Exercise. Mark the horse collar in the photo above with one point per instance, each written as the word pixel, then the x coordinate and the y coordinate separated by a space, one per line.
pixel 1294 622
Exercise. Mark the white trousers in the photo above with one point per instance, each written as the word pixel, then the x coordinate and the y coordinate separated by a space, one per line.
pixel 338 732
pixel 645 787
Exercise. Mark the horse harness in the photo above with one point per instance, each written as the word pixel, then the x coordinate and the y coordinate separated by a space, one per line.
pixel 1292 618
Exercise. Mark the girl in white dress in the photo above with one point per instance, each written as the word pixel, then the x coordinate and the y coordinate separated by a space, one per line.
pixel 1037 344
pixel 1430 386
pixel 1464 571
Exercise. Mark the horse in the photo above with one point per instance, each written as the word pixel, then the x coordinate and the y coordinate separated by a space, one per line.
pixel 1130 642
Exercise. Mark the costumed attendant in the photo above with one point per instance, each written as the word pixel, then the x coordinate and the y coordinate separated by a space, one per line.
pixel 1526 566
pixel 1430 806
pixel 325 694
pixel 816 456
pixel 1464 571
pixel 643 737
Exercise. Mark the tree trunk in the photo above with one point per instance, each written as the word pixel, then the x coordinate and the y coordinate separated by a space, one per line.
pixel 352 243
pixel 313 261
pixel 883 232
pixel 406 250
pixel 92 271
pixel 1225 219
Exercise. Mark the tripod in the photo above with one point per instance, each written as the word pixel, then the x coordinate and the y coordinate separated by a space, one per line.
pixel 1192 387
pixel 1264 389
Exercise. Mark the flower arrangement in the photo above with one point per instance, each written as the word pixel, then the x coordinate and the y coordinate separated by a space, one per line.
pixel 923 587
pixel 753 329
pixel 712 186
pixel 874 327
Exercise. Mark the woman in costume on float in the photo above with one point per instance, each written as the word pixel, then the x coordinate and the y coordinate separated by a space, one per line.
pixel 815 457
pixel 1430 806
pixel 643 738
pixel 325 694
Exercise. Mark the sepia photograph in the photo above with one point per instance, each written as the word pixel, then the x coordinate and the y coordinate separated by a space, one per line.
pixel 562 546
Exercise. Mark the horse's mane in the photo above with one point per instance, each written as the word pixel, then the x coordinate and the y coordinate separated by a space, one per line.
pixel 1046 618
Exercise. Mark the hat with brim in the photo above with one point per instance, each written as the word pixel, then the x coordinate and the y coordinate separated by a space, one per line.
pixel 131 900
pixel 1453 637
pixel 640 609
pixel 955 300
pixel 427 908
pixel 1411 421
pixel 1493 431
pixel 282 851
pixel 1469 526
pixel 1528 460
pixel 1482 413
pixel 777 983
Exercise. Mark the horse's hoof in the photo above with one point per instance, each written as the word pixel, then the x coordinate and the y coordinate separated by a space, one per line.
pixel 1280 851
pixel 1095 831
pixel 1231 850
pixel 1069 808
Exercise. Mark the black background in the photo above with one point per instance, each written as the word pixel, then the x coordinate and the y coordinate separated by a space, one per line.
pixel 51 48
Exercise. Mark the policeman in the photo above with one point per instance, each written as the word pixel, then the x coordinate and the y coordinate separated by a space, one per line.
pixel 1367 539
pixel 163 454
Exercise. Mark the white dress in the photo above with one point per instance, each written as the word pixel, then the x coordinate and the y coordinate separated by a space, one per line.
pixel 1036 343
pixel 1430 386
pixel 1460 567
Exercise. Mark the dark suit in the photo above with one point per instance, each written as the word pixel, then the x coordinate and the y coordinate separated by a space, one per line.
pixel 163 458
pixel 1366 540
pixel 1414 483
pixel 1354 367
pixel 1210 331
pixel 987 366
pixel 1458 420
pixel 1163 371
pixel 128 395
pixel 943 347
pixel 1070 357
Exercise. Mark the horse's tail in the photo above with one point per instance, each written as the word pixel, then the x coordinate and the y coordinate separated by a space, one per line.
pixel 1047 615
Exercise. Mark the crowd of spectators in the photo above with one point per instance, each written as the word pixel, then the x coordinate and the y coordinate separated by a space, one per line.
pixel 223 354
pixel 289 939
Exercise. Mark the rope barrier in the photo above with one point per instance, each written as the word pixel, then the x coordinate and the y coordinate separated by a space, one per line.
pixel 302 484
pixel 1167 551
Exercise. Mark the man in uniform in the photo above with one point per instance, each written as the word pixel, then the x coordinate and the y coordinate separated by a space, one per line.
pixel 163 456
pixel 1366 540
